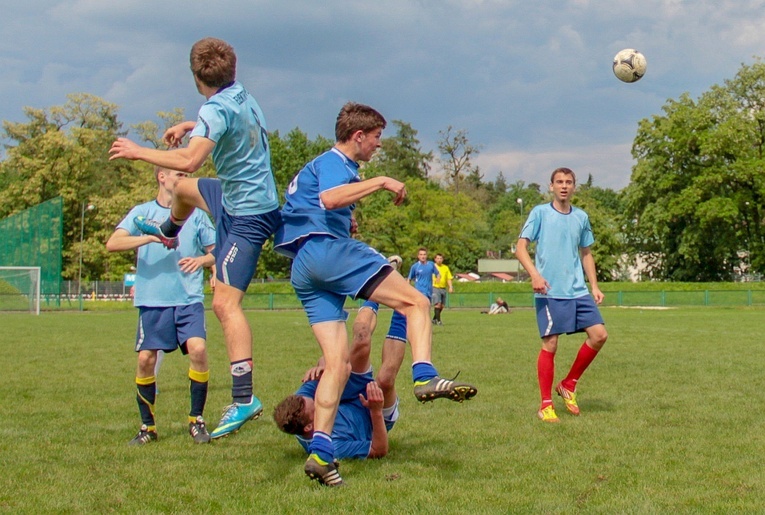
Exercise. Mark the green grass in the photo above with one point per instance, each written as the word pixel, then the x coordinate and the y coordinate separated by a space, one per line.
pixel 670 422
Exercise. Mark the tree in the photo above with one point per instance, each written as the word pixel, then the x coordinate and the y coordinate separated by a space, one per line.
pixel 694 202
pixel 62 151
pixel 401 156
pixel 456 154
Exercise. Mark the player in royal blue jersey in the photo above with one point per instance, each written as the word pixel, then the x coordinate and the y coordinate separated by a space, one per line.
pixel 328 266
pixel 368 407
pixel 563 237
pixel 168 294
pixel 421 274
pixel 242 201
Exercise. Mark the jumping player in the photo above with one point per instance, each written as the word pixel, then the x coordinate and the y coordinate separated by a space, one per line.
pixel 328 266
pixel 243 202
pixel 168 295
pixel 563 258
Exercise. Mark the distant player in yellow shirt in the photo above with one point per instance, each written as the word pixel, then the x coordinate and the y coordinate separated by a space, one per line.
pixel 440 284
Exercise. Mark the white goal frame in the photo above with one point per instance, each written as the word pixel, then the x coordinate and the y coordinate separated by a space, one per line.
pixel 34 284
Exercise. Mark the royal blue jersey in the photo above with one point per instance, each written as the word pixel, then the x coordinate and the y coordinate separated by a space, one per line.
pixel 303 213
pixel 159 281
pixel 559 238
pixel 352 432
pixel 423 276
pixel 233 120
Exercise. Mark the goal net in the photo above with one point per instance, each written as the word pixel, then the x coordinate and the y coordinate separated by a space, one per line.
pixel 20 288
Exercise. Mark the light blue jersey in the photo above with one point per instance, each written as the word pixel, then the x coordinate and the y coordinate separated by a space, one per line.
pixel 303 213
pixel 559 237
pixel 159 281
pixel 423 277
pixel 233 120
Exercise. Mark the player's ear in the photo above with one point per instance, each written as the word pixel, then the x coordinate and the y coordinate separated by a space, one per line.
pixel 308 429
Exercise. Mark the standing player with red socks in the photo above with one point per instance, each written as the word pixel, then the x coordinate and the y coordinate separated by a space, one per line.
pixel 563 236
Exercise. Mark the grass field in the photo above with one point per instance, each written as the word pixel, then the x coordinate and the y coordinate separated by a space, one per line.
pixel 671 422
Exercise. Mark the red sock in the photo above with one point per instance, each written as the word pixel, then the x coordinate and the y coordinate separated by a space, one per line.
pixel 545 374
pixel 583 359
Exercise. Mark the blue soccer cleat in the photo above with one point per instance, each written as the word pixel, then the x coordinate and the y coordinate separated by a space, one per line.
pixel 235 415
pixel 151 228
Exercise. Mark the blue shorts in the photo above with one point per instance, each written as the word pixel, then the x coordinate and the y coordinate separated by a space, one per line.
pixel 326 270
pixel 238 239
pixel 397 329
pixel 169 328
pixel 566 316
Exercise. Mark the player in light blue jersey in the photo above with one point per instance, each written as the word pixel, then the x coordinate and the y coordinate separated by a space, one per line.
pixel 242 201
pixel 328 266
pixel 563 238
pixel 169 297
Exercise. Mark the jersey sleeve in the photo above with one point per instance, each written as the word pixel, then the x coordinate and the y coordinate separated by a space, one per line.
pixel 308 389
pixel 206 230
pixel 332 173
pixel 530 229
pixel 211 122
pixel 587 238
pixel 127 222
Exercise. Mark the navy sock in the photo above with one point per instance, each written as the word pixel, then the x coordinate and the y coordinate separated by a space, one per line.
pixel 241 375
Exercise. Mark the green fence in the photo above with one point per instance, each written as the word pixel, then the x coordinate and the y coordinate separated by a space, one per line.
pixel 34 237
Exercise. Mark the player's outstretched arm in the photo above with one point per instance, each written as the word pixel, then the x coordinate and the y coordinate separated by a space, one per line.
pixel 374 402
pixel 344 196
pixel 122 240
pixel 188 159
pixel 173 137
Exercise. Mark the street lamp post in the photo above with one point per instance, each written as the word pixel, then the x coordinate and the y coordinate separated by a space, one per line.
pixel 85 207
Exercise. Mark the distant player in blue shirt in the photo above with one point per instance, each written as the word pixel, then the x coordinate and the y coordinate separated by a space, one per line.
pixel 168 295
pixel 328 266
pixel 563 237
pixel 242 201
pixel 421 273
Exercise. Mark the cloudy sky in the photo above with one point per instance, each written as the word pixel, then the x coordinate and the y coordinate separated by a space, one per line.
pixel 530 81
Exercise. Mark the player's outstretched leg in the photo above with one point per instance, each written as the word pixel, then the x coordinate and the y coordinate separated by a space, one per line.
pixel 323 472
pixel 151 227
pixel 439 388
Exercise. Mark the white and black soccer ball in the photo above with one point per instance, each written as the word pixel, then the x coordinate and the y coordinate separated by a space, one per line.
pixel 629 65
pixel 395 261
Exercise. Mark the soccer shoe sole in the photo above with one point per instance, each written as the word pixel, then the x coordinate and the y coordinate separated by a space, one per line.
pixel 317 472
pixel 255 416
pixel 458 393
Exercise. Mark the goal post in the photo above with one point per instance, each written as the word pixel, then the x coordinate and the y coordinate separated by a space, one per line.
pixel 20 288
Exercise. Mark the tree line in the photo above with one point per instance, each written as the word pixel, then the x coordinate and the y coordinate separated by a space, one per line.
pixel 692 210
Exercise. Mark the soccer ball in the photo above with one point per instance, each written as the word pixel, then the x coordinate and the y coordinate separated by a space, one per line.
pixel 395 261
pixel 629 65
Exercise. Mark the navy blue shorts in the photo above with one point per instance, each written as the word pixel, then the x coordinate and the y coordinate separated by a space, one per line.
pixel 238 239
pixel 169 328
pixel 397 329
pixel 566 316
pixel 326 270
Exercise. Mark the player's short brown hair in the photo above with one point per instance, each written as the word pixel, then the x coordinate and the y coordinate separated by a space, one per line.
pixel 213 62
pixel 356 117
pixel 290 415
pixel 564 171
